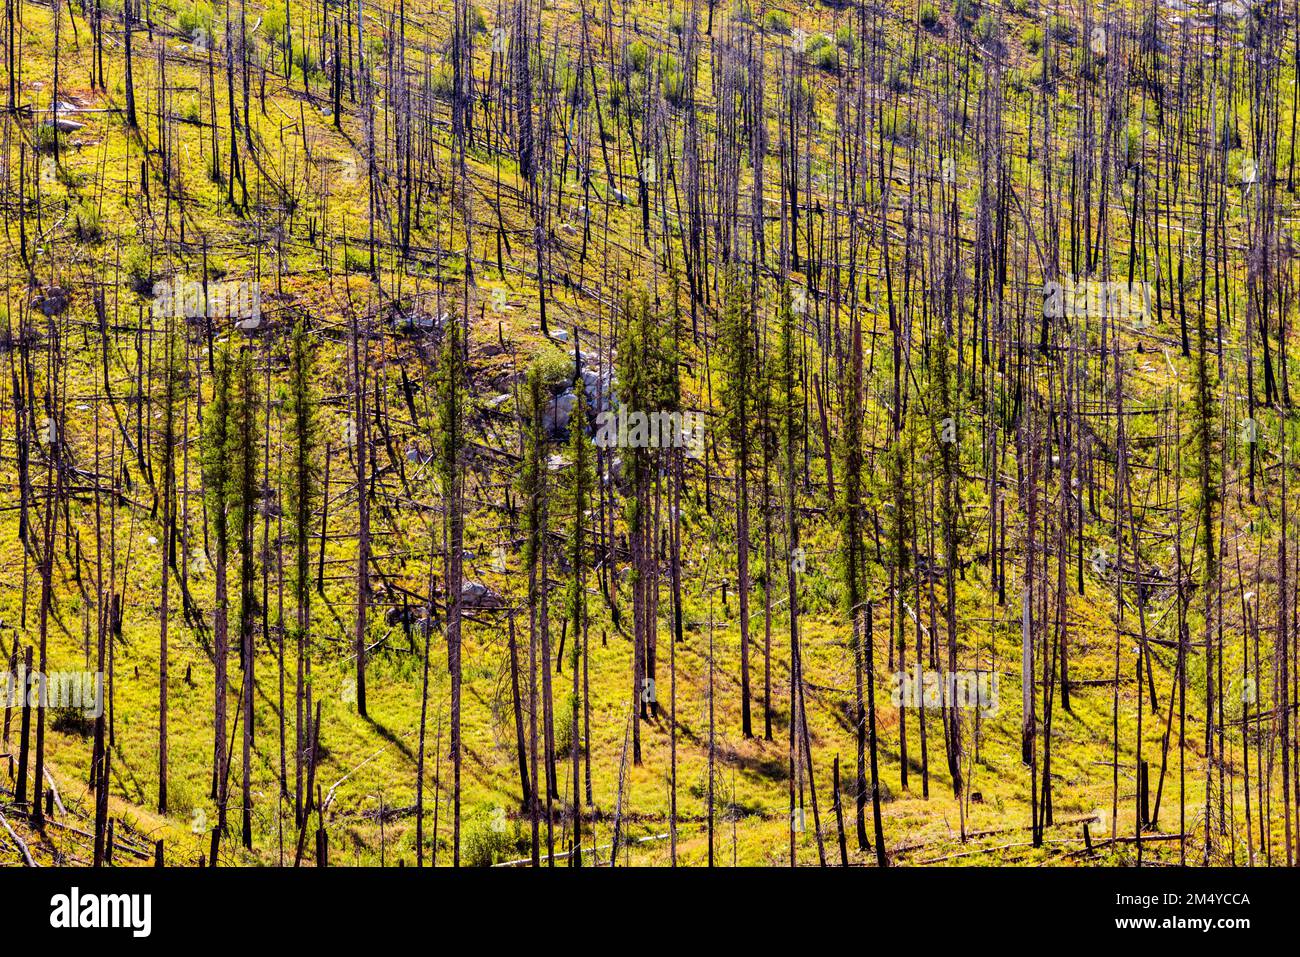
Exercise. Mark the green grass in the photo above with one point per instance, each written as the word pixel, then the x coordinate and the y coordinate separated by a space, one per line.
pixel 369 762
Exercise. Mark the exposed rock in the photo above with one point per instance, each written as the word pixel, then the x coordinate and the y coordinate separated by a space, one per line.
pixel 53 301
pixel 403 615
pixel 477 595
pixel 65 125
pixel 555 418
pixel 419 322
pixel 600 388
pixel 416 455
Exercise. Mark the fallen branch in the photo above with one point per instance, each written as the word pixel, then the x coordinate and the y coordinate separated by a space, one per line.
pixel 22 846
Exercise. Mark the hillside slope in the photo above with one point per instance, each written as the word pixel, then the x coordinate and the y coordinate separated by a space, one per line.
pixel 973 325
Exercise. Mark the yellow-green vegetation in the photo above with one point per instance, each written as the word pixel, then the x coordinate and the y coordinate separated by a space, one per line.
pixel 1000 293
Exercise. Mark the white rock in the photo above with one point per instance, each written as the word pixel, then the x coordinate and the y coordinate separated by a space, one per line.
pixel 558 412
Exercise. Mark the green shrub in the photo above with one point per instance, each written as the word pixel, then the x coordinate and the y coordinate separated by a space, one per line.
pixel 896 77
pixel 194 17
pixel 928 14
pixel 45 136
pixel 213 167
pixel 636 92
pixel 486 839
pixel 988 30
pixel 827 58
pixel 180 799
pixel 86 223
pixel 776 21
pixel 564 729
pixel 638 55
pixel 1061 28
pixel 442 84
pixel 1033 39
pixel 572 82
pixel 674 86
pixel 304 58
pixel 555 366
pixel 1130 142
pixel 273 26
pixel 1231 138
pixel 963 13
pixel 354 260
pixel 139 270
pixel 900 129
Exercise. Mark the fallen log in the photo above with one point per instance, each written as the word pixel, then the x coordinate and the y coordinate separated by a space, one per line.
pixel 18 841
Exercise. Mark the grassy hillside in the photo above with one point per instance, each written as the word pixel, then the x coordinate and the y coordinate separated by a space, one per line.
pixel 1003 293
